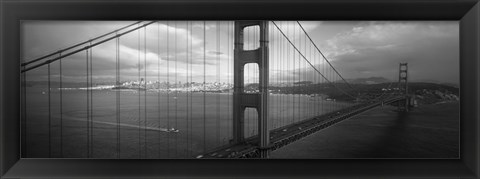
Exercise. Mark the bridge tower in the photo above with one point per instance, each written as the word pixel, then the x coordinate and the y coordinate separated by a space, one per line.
pixel 242 100
pixel 403 83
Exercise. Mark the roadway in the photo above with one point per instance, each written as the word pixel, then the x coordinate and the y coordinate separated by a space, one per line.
pixel 285 135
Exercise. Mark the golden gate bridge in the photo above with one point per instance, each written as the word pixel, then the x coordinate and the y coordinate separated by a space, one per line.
pixel 277 70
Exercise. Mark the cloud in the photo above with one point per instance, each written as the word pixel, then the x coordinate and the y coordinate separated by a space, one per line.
pixel 161 44
pixel 356 49
pixel 376 48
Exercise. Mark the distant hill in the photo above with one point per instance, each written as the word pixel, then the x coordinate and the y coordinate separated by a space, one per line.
pixel 371 80
pixel 436 82
pixel 380 80
pixel 451 84
pixel 55 83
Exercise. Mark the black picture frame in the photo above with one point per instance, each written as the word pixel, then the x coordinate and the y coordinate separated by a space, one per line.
pixel 12 12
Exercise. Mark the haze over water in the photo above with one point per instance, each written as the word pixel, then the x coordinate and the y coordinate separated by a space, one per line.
pixel 175 130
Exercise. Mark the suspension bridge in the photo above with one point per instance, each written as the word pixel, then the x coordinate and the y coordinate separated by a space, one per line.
pixel 250 87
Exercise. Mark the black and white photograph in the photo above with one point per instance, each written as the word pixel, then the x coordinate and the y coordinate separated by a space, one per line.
pixel 240 89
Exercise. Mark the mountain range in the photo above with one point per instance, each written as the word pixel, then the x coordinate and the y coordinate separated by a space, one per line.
pixel 379 80
pixel 370 80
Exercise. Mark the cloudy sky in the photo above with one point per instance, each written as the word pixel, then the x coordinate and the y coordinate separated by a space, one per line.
pixel 169 50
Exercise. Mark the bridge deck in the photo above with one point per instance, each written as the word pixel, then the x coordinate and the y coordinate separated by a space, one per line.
pixel 285 135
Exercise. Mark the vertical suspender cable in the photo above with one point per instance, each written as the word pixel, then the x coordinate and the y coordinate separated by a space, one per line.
pixel 320 81
pixel 274 68
pixel 333 92
pixel 88 103
pixel 257 75
pixel 301 76
pixel 248 82
pixel 314 89
pixel 232 40
pixel 176 91
pixel 251 74
pixel 307 78
pixel 329 103
pixel 89 113
pixel 245 82
pixel 335 84
pixel 49 117
pixel 231 71
pixel 287 79
pixel 204 83
pixel 294 86
pixel 248 118
pixel 190 44
pixel 139 92
pixel 283 80
pixel 323 87
pixel 313 79
pixel 227 81
pixel 299 79
pixel 278 53
pixel 278 97
pixel 91 101
pixel 218 84
pixel 295 89
pixel 24 113
pixel 117 92
pixel 61 107
pixel 310 79
pixel 256 78
pixel 288 83
pixel 302 79
pixel 191 85
pixel 145 86
pixel 228 75
pixel 254 45
pixel 90 109
pixel 336 95
pixel 305 71
pixel 158 86
pixel 294 78
pixel 274 65
pixel 334 104
pixel 309 107
pixel 168 89
pixel 317 88
pixel 118 99
pixel 187 91
pixel 331 79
